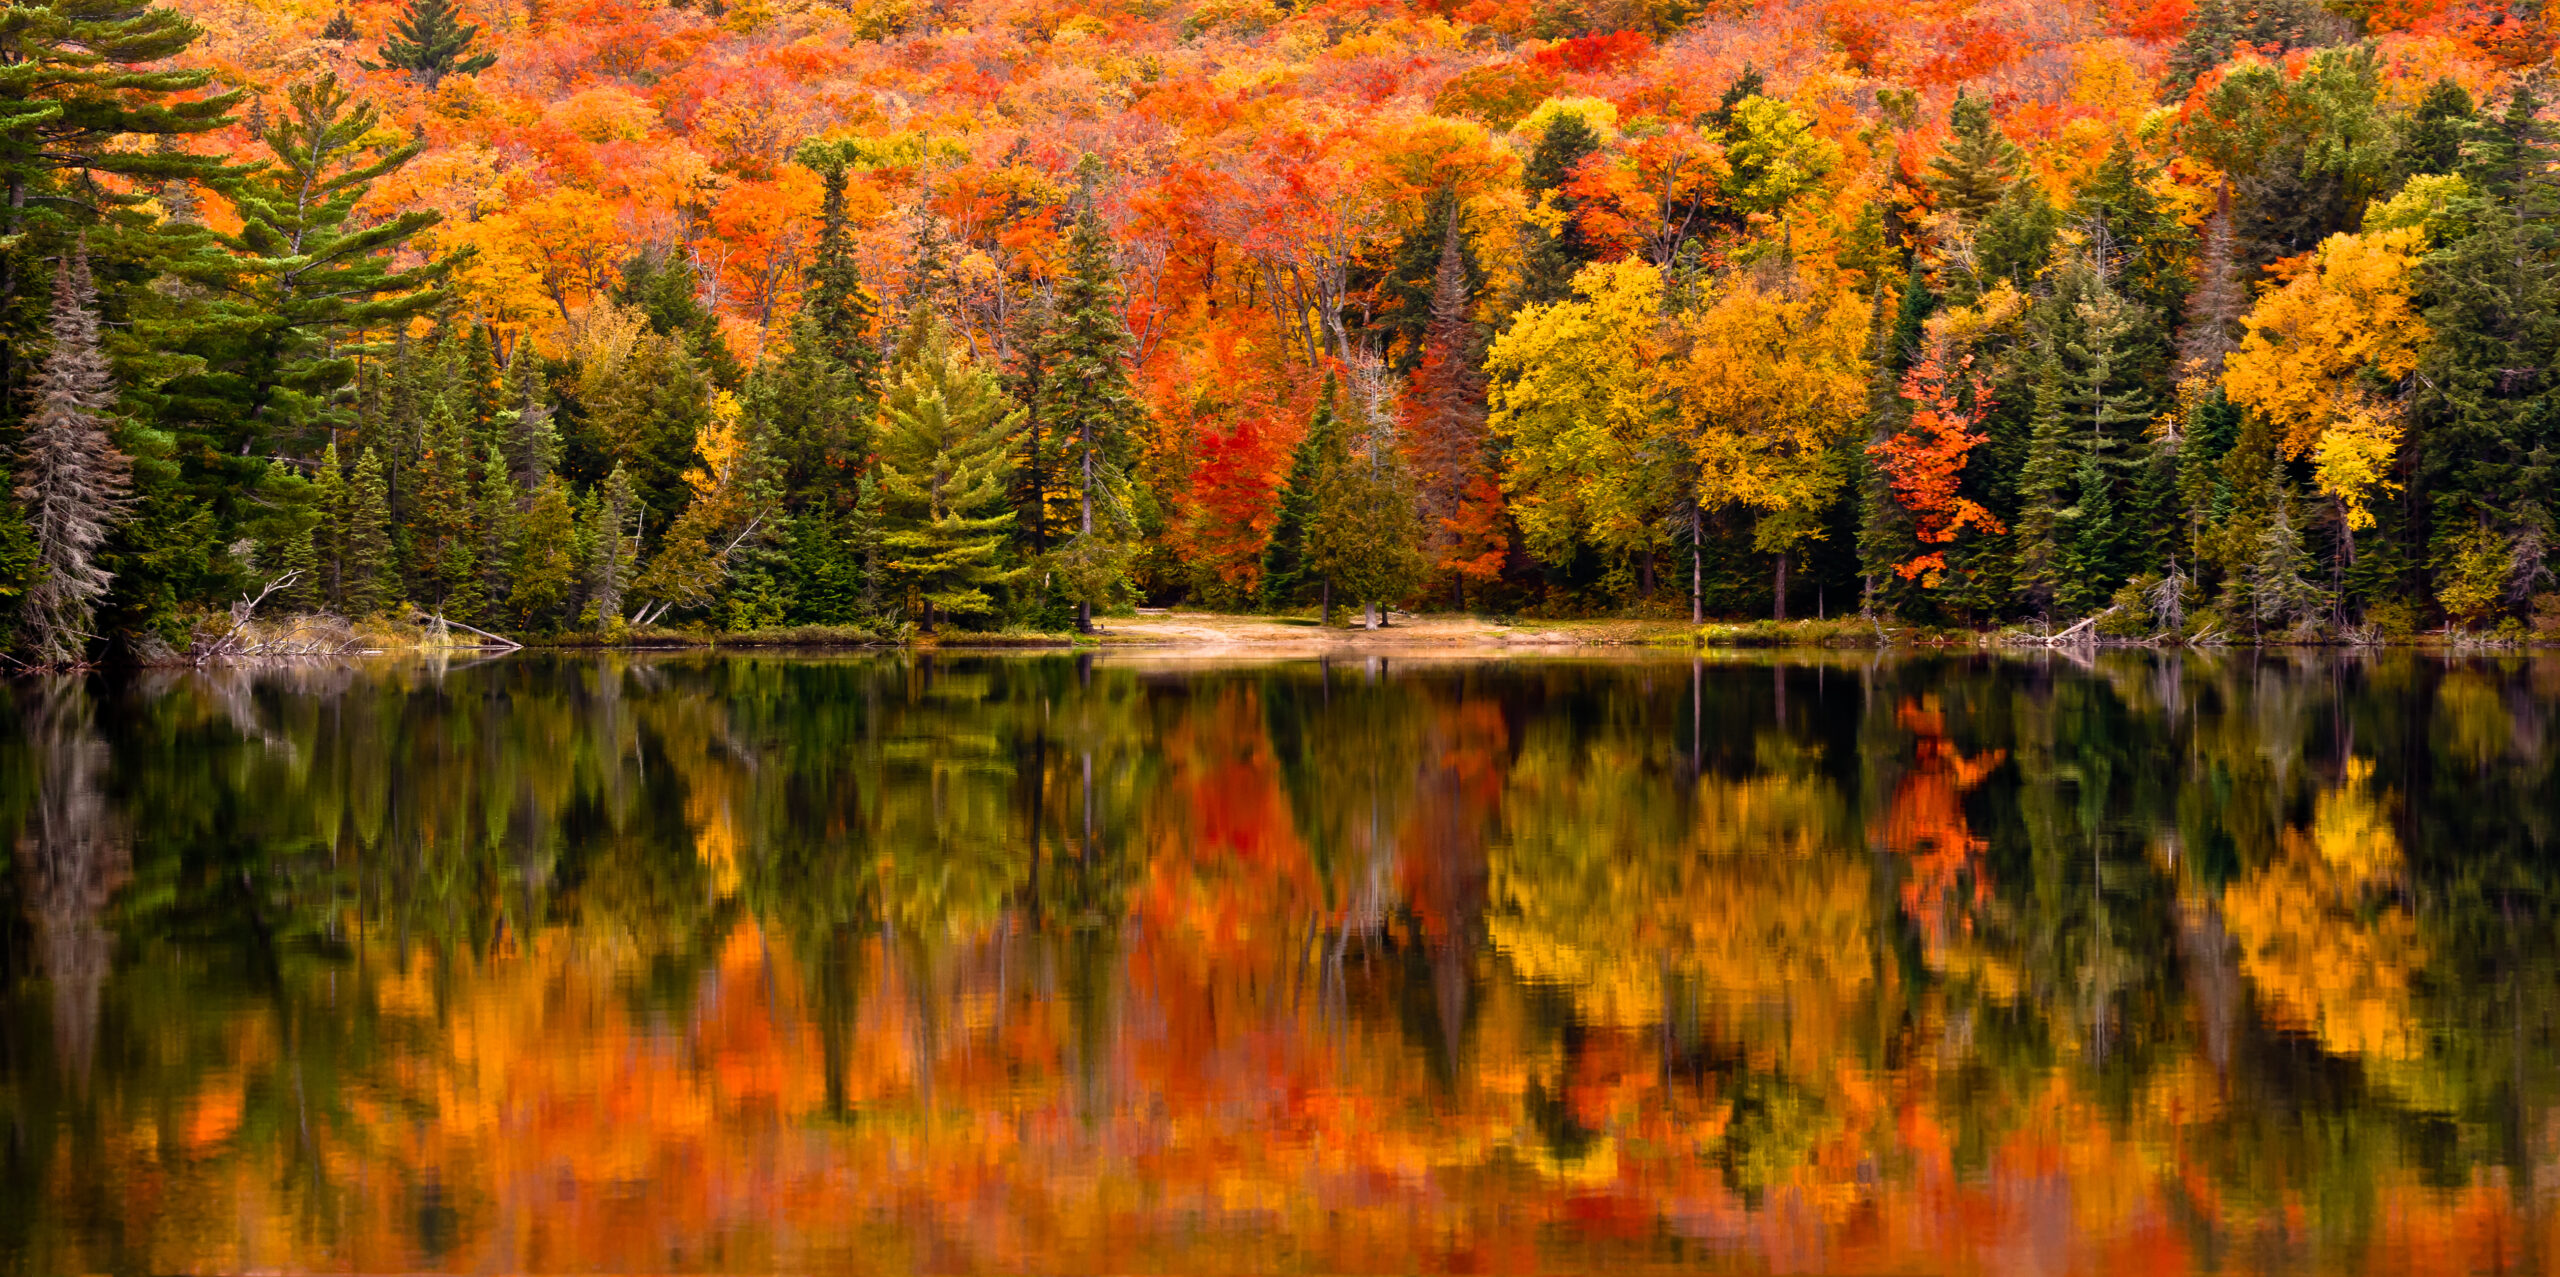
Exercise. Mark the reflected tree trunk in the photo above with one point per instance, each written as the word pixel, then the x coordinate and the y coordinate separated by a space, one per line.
pixel 74 859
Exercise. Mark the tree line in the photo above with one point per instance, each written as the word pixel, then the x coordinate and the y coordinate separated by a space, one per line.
pixel 2314 405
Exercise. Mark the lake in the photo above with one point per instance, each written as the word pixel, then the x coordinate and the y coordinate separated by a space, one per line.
pixel 2234 962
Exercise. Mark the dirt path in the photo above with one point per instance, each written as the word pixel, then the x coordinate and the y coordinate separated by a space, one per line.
pixel 1224 632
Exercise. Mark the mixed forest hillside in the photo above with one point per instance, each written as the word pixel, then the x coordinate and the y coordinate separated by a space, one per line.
pixel 569 315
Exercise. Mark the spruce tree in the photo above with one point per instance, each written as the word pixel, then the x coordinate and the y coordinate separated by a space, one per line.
pixel 442 541
pixel 369 572
pixel 1094 415
pixel 1451 449
pixel 842 311
pixel 328 539
pixel 429 41
pixel 616 537
pixel 72 480
pixel 501 532
pixel 546 566
pixel 1363 538
pixel 532 434
pixel 1287 571
pixel 1552 257
pixel 945 463
pixel 1979 164
pixel 2044 484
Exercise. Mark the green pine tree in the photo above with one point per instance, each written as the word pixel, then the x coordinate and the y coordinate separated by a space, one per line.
pixel 266 344
pixel 442 539
pixel 1288 573
pixel 429 41
pixel 614 537
pixel 501 530
pixel 1095 416
pixel 546 566
pixel 1979 164
pixel 328 539
pixel 945 462
pixel 1364 539
pixel 368 562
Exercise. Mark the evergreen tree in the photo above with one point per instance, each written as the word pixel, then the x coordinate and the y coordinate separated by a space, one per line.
pixel 484 397
pixel 300 273
pixel 1451 449
pixel 615 537
pixel 1979 165
pixel 1554 256
pixel 815 413
pixel 73 482
pixel 834 301
pixel 528 426
pixel 328 541
pixel 429 41
pixel 2090 574
pixel 2044 484
pixel 501 532
pixel 945 439
pixel 669 293
pixel 1093 414
pixel 1363 538
pixel 2279 589
pixel 546 566
pixel 1288 571
pixel 79 78
pixel 341 28
pixel 368 560
pixel 442 543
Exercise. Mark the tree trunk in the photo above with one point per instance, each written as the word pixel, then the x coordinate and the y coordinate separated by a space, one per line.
pixel 1084 607
pixel 1324 596
pixel 1458 590
pixel 1697 567
pixel 1369 616
pixel 928 616
pixel 1782 585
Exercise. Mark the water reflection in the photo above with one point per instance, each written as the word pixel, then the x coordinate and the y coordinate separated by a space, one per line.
pixel 2166 963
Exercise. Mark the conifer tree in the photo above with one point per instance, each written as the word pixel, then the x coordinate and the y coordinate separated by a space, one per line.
pixel 945 463
pixel 1979 165
pixel 1363 538
pixel 302 271
pixel 72 480
pixel 78 78
pixel 341 28
pixel 501 531
pixel 546 565
pixel 429 41
pixel 1450 444
pixel 616 536
pixel 1555 256
pixel 2043 485
pixel 1287 570
pixel 1094 415
pixel 328 538
pixel 528 425
pixel 368 560
pixel 834 300
pixel 442 543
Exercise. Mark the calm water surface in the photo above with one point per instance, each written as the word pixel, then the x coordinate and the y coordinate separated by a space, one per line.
pixel 2156 964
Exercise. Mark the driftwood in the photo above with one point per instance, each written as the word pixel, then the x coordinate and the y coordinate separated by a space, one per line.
pixel 304 637
pixel 438 619
pixel 2082 634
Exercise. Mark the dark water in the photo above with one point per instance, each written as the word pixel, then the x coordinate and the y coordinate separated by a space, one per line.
pixel 955 964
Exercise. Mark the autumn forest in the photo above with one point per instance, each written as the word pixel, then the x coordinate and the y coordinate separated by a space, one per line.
pixel 2203 319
